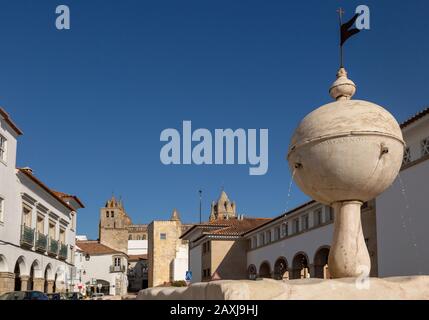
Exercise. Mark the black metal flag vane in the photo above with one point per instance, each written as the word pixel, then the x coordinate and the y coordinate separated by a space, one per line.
pixel 346 32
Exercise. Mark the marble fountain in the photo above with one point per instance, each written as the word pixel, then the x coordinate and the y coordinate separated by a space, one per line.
pixel 342 154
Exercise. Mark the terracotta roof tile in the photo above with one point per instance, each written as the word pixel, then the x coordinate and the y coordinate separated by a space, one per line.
pixel 137 257
pixel 229 227
pixel 236 227
pixel 63 195
pixel 93 247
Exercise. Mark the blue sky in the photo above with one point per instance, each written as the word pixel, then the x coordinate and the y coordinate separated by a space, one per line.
pixel 92 101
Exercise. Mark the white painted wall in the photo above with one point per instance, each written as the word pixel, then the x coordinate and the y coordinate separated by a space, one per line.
pixel 195 263
pixel 98 267
pixel 137 247
pixel 9 187
pixel 180 263
pixel 307 242
pixel 403 214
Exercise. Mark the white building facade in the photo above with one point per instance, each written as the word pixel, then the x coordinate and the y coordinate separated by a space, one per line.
pixel 37 224
pixel 403 210
pixel 100 269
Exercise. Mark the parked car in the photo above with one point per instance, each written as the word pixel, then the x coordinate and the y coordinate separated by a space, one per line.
pixel 56 296
pixel 24 295
pixel 74 296
pixel 97 296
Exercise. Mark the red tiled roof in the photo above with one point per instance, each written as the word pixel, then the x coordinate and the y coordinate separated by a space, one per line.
pixel 414 118
pixel 93 247
pixel 137 257
pixel 9 121
pixel 240 227
pixel 229 227
pixel 29 174
pixel 63 195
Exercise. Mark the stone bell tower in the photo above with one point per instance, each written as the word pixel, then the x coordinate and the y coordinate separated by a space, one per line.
pixel 114 221
pixel 223 209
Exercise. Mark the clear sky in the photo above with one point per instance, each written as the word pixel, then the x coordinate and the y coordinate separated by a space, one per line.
pixel 92 101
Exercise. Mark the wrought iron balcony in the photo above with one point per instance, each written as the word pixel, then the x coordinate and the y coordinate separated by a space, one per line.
pixel 27 236
pixel 53 247
pixel 41 242
pixel 117 269
pixel 63 251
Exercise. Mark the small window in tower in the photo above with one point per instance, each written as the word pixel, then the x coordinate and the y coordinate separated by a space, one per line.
pixel 107 214
pixel 163 236
pixel 112 214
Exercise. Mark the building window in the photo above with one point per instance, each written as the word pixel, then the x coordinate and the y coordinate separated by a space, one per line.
pixel 1 209
pixel 268 237
pixel 296 225
pixel 285 230
pixel 40 224
pixel 26 216
pixel 117 261
pixel 107 214
pixel 51 231
pixel 112 214
pixel 317 217
pixel 261 239
pixel 2 148
pixel 73 221
pixel 276 233
pixel 254 242
pixel 425 146
pixel 329 214
pixel 407 156
pixel 163 236
pixel 144 237
pixel 206 247
pixel 63 236
pixel 305 222
pixel 130 237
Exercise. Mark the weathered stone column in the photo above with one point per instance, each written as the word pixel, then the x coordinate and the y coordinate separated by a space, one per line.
pixel 7 282
pixel 39 284
pixel 349 255
pixel 51 286
pixel 24 282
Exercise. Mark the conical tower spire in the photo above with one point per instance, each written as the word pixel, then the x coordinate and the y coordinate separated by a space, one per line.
pixel 175 216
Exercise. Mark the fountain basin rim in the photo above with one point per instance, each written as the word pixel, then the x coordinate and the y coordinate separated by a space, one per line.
pixel 341 135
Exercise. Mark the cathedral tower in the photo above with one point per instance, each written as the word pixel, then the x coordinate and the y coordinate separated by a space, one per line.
pixel 223 209
pixel 114 223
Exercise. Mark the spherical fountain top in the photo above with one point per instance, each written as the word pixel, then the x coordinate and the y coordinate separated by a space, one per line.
pixel 343 88
pixel 346 150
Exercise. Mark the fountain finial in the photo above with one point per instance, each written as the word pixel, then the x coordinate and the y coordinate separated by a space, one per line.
pixel 343 88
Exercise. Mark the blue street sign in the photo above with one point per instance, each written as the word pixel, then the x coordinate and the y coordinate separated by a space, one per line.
pixel 188 276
